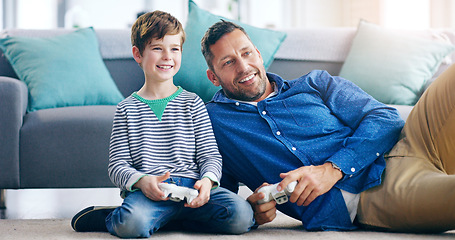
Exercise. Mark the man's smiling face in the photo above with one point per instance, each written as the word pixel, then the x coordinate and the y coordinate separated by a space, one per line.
pixel 238 67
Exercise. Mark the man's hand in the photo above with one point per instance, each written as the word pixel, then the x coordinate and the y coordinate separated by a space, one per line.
pixel 263 213
pixel 313 181
pixel 203 186
pixel 149 186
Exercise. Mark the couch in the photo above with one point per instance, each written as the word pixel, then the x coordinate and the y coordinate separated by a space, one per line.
pixel 67 147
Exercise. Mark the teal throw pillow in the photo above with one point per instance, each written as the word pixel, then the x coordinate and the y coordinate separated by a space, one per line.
pixel 391 66
pixel 192 75
pixel 60 71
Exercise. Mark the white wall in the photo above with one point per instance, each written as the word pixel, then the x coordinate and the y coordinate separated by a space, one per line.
pixel 36 14
pixel 110 14
pixel 261 13
pixel 442 13
pixel 409 14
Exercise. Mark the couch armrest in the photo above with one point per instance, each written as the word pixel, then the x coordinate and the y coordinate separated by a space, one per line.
pixel 13 105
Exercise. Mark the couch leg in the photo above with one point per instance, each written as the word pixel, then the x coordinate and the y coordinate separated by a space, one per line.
pixel 2 199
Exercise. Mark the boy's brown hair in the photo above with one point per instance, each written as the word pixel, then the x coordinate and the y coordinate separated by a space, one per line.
pixel 154 25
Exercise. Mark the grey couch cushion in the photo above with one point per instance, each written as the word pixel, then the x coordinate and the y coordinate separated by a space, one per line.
pixel 61 147
pixel 127 74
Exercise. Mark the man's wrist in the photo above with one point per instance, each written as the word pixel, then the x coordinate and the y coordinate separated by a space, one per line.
pixel 334 166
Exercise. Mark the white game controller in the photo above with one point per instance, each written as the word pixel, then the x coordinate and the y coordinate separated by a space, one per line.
pixel 178 193
pixel 271 193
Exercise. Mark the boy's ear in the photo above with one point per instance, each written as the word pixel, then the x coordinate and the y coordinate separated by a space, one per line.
pixel 137 55
pixel 212 77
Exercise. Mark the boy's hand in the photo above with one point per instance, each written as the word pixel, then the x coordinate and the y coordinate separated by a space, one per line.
pixel 149 186
pixel 203 186
pixel 263 213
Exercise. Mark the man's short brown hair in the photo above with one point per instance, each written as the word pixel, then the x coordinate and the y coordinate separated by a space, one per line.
pixel 213 34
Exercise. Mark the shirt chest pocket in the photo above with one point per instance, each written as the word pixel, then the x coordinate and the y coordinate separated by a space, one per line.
pixel 306 114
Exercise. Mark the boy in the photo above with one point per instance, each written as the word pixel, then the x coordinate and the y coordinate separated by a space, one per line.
pixel 163 133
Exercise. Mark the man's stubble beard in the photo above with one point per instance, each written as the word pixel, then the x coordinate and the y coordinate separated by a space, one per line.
pixel 246 96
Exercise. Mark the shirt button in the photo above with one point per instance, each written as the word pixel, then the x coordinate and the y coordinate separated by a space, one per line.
pixel 377 154
pixel 237 103
pixel 293 148
pixel 278 133
pixel 352 169
pixel 264 112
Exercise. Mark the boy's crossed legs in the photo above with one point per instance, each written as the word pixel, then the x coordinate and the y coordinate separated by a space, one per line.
pixel 138 216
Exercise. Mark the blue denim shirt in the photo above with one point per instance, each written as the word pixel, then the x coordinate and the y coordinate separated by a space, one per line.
pixel 314 119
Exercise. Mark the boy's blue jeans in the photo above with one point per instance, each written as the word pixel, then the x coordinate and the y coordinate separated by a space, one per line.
pixel 139 216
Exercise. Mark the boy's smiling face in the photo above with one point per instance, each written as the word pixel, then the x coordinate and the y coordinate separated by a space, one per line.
pixel 161 58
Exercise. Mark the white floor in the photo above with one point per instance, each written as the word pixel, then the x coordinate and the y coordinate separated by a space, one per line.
pixel 55 203
pixel 61 203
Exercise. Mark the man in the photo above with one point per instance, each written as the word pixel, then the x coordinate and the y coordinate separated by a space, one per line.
pixel 330 136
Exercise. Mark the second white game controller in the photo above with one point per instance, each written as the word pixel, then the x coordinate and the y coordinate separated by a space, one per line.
pixel 271 193
pixel 178 193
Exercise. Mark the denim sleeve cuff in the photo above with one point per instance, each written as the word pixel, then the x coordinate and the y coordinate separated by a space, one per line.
pixel 347 161
pixel 212 177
